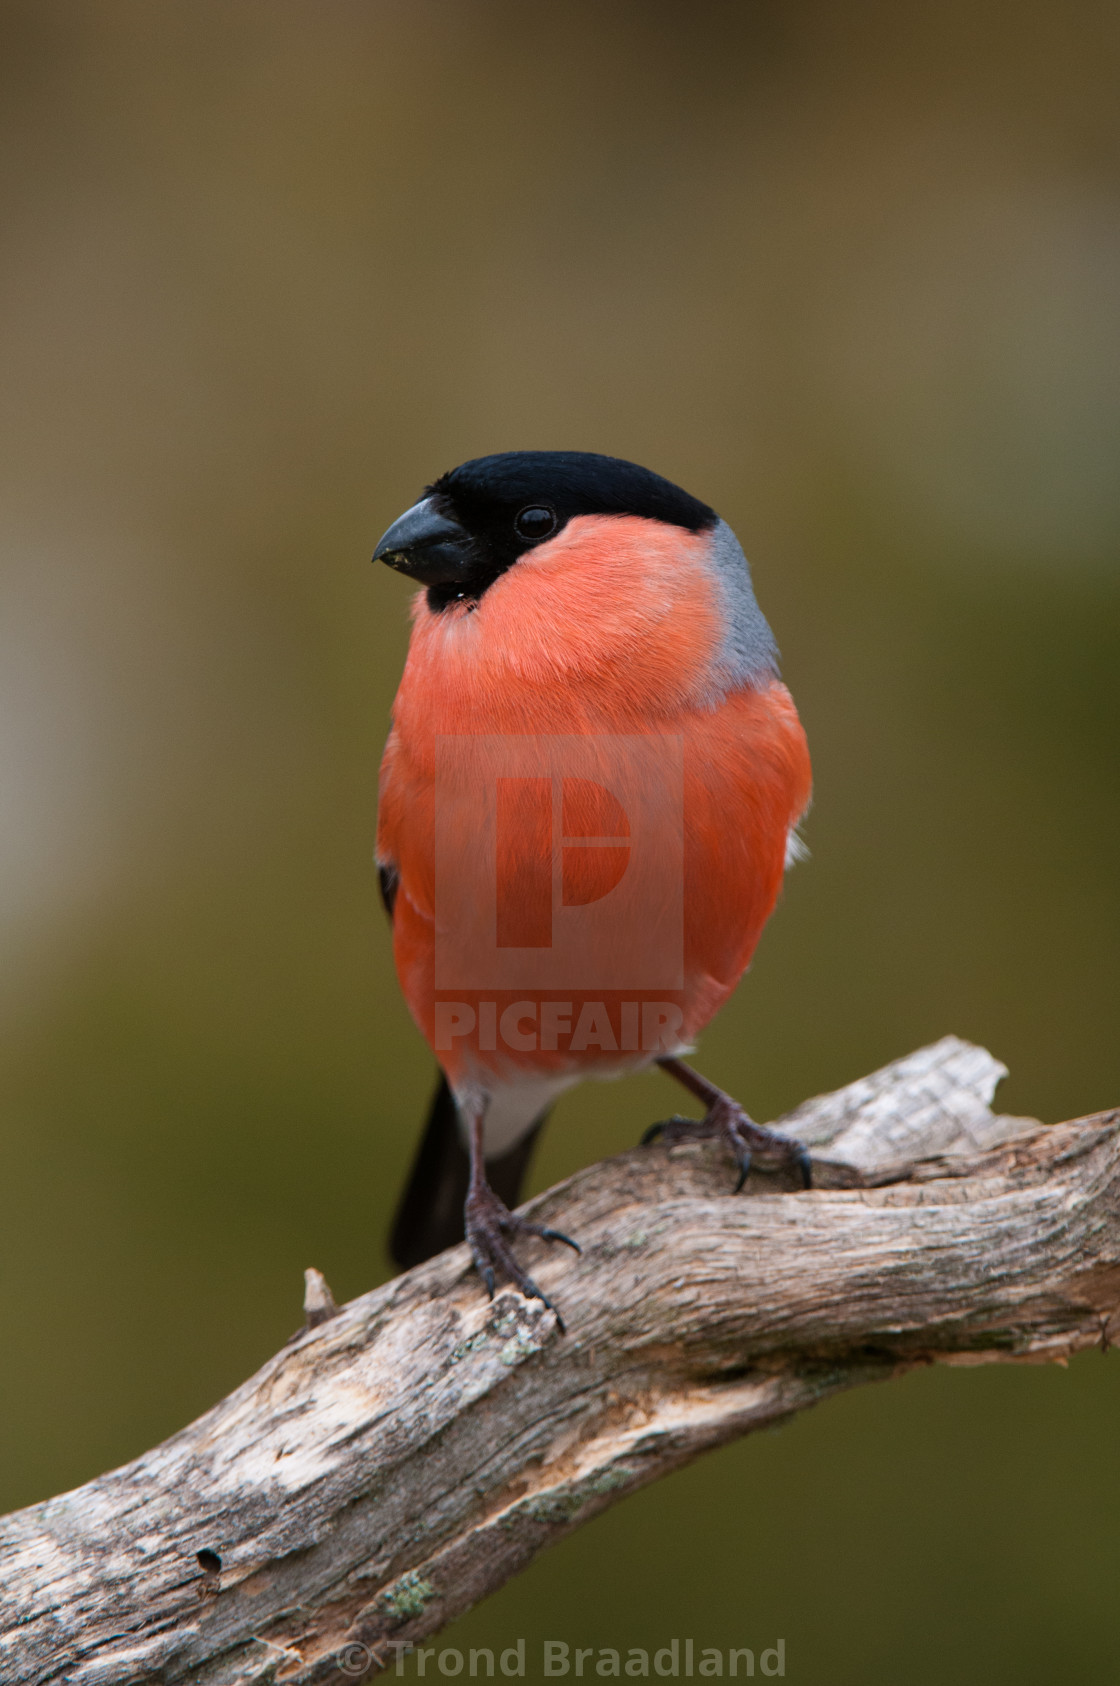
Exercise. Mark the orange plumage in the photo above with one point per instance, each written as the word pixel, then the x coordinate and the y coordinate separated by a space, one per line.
pixel 614 629
pixel 548 651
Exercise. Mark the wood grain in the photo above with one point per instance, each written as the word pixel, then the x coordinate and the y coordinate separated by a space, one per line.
pixel 405 1455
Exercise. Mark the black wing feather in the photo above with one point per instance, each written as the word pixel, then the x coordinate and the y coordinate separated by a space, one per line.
pixel 389 879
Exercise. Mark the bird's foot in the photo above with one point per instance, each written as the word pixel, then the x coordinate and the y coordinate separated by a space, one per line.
pixel 490 1225
pixel 749 1142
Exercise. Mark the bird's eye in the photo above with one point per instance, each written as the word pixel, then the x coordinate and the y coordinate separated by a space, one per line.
pixel 535 521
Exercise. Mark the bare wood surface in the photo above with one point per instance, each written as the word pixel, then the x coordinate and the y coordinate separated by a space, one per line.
pixel 405 1455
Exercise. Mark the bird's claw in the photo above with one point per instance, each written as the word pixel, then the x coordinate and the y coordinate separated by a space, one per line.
pixel 673 1129
pixel 547 1234
pixel 727 1121
pixel 488 1222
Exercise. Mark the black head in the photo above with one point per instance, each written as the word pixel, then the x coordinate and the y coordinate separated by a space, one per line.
pixel 475 522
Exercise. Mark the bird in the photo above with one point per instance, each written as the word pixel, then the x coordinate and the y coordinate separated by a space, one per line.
pixel 588 798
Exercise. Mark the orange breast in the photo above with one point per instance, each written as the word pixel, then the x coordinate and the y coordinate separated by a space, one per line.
pixel 588 844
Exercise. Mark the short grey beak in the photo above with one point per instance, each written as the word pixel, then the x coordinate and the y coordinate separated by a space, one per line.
pixel 426 545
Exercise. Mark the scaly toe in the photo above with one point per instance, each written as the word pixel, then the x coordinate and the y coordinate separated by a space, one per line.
pixel 677 1129
pixel 488 1222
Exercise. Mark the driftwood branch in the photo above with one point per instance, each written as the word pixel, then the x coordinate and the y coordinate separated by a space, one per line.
pixel 404 1456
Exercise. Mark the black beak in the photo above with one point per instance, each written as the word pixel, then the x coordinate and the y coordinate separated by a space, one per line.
pixel 427 546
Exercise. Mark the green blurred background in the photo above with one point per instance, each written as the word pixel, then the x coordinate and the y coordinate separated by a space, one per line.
pixel 852 274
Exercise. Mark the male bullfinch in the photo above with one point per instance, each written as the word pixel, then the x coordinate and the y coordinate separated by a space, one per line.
pixel 588 799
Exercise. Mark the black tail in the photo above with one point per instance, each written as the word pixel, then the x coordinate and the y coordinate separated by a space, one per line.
pixel 430 1215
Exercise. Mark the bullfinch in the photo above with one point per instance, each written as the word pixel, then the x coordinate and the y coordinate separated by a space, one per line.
pixel 588 799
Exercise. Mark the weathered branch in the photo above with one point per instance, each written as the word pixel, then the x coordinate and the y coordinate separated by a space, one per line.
pixel 403 1457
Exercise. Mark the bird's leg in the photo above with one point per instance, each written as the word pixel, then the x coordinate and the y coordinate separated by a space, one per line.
pixel 489 1221
pixel 725 1118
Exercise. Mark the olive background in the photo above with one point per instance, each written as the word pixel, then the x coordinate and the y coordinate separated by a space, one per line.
pixel 849 273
